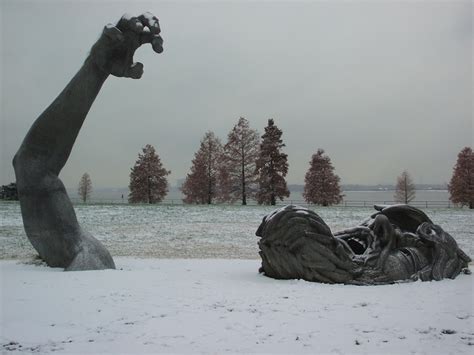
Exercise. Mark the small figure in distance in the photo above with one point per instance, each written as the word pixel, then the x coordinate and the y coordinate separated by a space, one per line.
pixel 48 215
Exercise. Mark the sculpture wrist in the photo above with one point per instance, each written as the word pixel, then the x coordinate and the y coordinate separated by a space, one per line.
pixel 95 64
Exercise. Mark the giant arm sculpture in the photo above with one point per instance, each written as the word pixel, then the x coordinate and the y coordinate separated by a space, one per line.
pixel 396 243
pixel 48 215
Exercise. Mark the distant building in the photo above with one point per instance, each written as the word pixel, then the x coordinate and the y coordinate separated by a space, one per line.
pixel 9 192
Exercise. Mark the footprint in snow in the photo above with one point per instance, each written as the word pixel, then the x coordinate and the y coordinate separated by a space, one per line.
pixel 448 331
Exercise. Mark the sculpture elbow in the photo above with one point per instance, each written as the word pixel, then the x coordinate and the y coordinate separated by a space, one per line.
pixel 20 166
pixel 19 163
pixel 14 161
pixel 28 169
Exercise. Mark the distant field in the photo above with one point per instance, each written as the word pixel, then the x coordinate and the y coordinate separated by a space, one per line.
pixel 432 198
pixel 197 231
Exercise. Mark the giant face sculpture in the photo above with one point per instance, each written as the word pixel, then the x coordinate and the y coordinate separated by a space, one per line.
pixel 396 243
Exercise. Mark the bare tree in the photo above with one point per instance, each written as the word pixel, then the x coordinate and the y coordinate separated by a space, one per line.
pixel 405 188
pixel 238 176
pixel 85 187
pixel 461 186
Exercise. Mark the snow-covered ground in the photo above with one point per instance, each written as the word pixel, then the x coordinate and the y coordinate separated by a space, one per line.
pixel 224 306
pixel 197 231
pixel 187 282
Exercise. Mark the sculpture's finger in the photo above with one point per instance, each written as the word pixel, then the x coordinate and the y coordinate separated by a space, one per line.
pixel 157 44
pixel 155 40
pixel 355 230
pixel 113 33
pixel 135 71
pixel 130 23
pixel 464 257
pixel 149 20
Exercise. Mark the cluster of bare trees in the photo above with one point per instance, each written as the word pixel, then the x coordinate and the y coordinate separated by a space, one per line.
pixel 148 182
pixel 461 186
pixel 246 167
pixel 250 166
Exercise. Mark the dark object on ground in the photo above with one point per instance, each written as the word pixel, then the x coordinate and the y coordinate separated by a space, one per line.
pixel 397 242
pixel 9 192
pixel 48 215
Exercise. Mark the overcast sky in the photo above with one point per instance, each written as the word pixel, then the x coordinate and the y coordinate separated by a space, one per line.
pixel 381 86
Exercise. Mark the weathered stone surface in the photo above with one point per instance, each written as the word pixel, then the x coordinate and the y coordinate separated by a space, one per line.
pixel 48 215
pixel 396 243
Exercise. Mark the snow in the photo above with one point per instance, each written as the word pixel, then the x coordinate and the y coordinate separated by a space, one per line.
pixel 302 212
pixel 180 231
pixel 200 291
pixel 127 16
pixel 151 19
pixel 216 306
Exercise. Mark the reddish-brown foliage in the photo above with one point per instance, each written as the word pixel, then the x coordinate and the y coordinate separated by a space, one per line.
pixel 321 184
pixel 238 178
pixel 148 183
pixel 271 167
pixel 461 186
pixel 200 185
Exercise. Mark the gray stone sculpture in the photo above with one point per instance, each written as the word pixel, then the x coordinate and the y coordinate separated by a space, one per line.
pixel 48 215
pixel 396 243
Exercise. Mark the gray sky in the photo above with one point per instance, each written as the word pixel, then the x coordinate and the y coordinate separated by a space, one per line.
pixel 381 86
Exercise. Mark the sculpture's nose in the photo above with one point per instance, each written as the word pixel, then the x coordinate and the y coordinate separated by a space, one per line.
pixel 382 227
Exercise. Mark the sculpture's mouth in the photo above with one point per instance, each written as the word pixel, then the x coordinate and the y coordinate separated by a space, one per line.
pixel 358 245
pixel 358 241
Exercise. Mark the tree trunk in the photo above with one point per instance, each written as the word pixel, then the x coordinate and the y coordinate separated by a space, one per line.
pixel 406 191
pixel 149 189
pixel 272 183
pixel 209 176
pixel 244 192
pixel 209 191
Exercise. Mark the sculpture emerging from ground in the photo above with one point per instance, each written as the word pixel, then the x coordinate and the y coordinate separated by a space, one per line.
pixel 48 215
pixel 396 243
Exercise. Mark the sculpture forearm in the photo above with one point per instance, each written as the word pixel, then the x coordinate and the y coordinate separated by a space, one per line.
pixel 48 215
pixel 50 139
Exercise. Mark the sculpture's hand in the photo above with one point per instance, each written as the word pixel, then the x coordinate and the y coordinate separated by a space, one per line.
pixel 113 52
